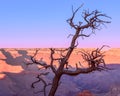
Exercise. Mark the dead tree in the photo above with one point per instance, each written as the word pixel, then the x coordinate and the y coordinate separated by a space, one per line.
pixel 92 20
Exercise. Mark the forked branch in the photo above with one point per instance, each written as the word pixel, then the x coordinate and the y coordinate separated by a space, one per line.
pixel 94 60
pixel 93 20
pixel 38 62
pixel 40 79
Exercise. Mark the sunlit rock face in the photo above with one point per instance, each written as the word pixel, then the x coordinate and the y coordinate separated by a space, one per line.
pixel 85 93
pixel 16 78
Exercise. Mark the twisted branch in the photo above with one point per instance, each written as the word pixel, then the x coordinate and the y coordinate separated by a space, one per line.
pixel 94 59
pixel 43 81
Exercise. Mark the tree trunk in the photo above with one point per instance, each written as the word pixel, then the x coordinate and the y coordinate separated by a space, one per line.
pixel 55 85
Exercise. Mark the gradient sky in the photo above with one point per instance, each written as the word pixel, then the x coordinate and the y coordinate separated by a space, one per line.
pixel 42 23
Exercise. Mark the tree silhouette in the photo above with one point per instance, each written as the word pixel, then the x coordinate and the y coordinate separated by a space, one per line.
pixel 92 21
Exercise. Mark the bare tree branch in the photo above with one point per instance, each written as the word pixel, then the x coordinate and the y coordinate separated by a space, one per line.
pixel 70 35
pixel 34 61
pixel 93 19
pixel 52 60
pixel 70 21
pixel 95 61
pixel 43 81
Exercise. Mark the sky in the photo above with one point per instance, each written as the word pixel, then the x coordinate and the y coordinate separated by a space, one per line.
pixel 42 23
